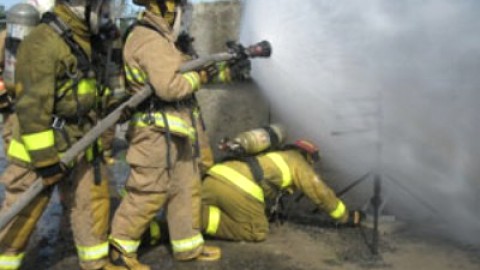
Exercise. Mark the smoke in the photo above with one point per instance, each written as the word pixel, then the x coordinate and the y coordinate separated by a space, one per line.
pixel 384 86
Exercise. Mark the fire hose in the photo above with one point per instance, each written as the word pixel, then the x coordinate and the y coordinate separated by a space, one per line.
pixel 236 52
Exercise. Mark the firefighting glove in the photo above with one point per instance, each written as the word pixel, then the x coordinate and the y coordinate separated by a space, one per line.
pixel 52 174
pixel 216 73
pixel 126 115
pixel 185 44
pixel 240 69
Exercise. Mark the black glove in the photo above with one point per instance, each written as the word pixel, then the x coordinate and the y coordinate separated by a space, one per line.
pixel 126 115
pixel 185 44
pixel 52 174
pixel 240 69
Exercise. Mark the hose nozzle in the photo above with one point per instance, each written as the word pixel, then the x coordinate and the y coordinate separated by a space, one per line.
pixel 260 49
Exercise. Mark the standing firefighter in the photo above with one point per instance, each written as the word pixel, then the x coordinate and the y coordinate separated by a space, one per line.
pixel 162 134
pixel 234 191
pixel 21 19
pixel 56 105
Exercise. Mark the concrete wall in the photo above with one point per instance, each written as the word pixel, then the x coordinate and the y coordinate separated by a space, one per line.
pixel 227 109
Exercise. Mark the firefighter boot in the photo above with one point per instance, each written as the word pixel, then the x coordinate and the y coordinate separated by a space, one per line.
pixel 129 261
pixel 210 254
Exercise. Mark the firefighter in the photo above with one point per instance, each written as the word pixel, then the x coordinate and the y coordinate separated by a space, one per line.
pixel 56 100
pixel 162 137
pixel 31 16
pixel 234 192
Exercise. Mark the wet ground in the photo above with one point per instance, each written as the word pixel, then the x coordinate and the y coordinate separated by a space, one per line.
pixel 294 246
pixel 303 242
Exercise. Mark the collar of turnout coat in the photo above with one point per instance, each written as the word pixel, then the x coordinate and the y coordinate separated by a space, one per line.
pixel 81 35
pixel 159 23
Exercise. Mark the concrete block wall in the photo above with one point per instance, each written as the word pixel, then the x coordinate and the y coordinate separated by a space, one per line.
pixel 227 109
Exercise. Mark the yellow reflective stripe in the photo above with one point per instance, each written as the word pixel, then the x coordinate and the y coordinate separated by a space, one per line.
pixel 339 211
pixel 283 166
pixel 39 140
pixel 11 261
pixel 128 75
pixel 154 232
pixel 176 124
pixel 213 219
pixel 92 253
pixel 193 78
pixel 135 75
pixel 17 150
pixel 238 180
pixel 129 246
pixel 85 87
pixel 187 244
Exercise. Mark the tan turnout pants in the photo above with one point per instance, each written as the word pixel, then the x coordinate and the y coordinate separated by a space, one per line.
pixel 228 213
pixel 88 207
pixel 151 186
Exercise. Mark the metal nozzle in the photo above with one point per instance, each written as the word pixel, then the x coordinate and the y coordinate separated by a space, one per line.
pixel 261 49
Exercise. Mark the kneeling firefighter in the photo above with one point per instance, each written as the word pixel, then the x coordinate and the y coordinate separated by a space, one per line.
pixel 56 104
pixel 162 136
pixel 235 191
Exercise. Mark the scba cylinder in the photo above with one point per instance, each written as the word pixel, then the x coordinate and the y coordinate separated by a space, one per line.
pixel 21 19
pixel 261 139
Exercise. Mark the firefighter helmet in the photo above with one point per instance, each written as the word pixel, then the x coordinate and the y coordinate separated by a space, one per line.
pixel 308 149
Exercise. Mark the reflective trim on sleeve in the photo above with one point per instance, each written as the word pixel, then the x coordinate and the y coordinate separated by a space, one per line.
pixel 238 180
pixel 129 246
pixel 213 220
pixel 18 151
pixel 283 166
pixel 175 124
pixel 92 253
pixel 187 244
pixel 339 211
pixel 39 140
pixel 11 262
pixel 135 75
pixel 193 78
pixel 84 87
pixel 87 86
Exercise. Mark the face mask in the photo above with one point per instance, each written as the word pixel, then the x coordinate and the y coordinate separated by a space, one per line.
pixel 100 16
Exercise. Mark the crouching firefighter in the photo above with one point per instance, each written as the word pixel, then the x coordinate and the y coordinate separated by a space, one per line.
pixel 162 135
pixel 235 191
pixel 56 104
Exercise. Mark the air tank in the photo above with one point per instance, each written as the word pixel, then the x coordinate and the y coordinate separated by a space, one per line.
pixel 21 19
pixel 260 139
